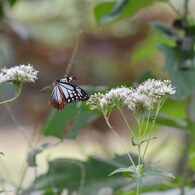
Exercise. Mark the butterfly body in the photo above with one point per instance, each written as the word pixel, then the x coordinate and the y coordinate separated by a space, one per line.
pixel 65 92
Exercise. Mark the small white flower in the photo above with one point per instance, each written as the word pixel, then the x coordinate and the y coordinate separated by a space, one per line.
pixel 21 73
pixel 139 102
pixel 141 99
pixel 95 101
pixel 117 95
pixel 114 97
pixel 103 102
pixel 156 88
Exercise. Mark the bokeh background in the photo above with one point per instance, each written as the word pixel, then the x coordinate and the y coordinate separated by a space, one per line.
pixel 44 33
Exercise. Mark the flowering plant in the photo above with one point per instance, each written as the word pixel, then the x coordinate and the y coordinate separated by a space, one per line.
pixel 18 75
pixel 141 101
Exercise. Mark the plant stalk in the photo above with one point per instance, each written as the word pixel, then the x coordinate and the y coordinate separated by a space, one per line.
pixel 120 140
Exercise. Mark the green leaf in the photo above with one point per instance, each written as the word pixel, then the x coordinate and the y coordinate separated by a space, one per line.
pixel 119 7
pixel 174 191
pixel 1 12
pixel 12 2
pixel 124 170
pixel 166 120
pixel 150 171
pixel 149 46
pixel 191 127
pixel 31 159
pixel 110 11
pixel 173 114
pixel 163 28
pixel 74 175
pixel 182 80
pixel 68 122
pixel 171 106
pixel 190 30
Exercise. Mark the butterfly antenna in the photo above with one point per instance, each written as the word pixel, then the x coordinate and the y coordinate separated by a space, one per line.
pixel 46 88
pixel 75 51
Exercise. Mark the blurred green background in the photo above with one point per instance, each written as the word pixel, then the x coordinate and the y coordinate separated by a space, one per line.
pixel 43 33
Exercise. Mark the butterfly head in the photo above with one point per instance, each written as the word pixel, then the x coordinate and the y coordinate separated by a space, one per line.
pixel 55 82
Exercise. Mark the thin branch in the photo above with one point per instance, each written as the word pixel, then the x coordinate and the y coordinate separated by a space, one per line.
pixel 126 122
pixel 177 12
pixel 120 140
pixel 15 122
pixel 24 172
pixel 153 123
pixel 14 98
pixel 73 57
pixel 186 11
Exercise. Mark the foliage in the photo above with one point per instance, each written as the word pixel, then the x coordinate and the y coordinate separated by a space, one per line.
pixel 176 43
pixel 110 11
pixel 87 177
pixel 32 156
pixel 183 80
pixel 149 47
pixel 69 122
pixel 12 2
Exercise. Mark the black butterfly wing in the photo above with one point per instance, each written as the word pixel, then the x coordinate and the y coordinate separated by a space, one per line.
pixel 72 93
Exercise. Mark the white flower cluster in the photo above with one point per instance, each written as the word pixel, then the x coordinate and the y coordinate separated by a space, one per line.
pixel 156 88
pixel 139 102
pixel 139 99
pixel 116 96
pixel 95 101
pixel 22 73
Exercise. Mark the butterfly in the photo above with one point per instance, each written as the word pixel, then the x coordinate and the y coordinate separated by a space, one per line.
pixel 64 92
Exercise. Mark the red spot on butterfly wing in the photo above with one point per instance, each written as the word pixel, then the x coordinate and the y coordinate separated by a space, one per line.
pixel 58 104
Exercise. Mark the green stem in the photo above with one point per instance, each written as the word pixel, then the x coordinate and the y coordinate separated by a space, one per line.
pixel 15 122
pixel 126 122
pixel 153 122
pixel 147 123
pixel 15 97
pixel 119 139
pixel 140 127
pixel 137 191
pixel 138 167
pixel 21 180
pixel 139 154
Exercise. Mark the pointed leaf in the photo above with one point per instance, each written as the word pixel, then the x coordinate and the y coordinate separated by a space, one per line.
pixel 70 121
pixel 124 170
pixel 109 11
pixel 166 120
pixel 150 171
